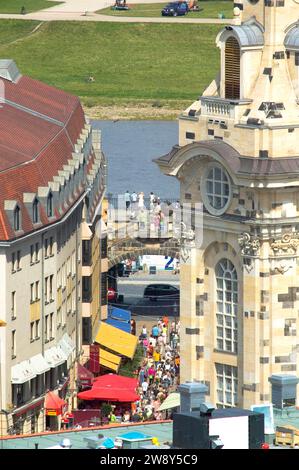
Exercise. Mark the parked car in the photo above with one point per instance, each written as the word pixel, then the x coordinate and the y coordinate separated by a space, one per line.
pixel 111 294
pixel 155 291
pixel 175 9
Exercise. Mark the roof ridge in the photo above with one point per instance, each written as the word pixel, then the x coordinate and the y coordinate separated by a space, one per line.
pixel 33 113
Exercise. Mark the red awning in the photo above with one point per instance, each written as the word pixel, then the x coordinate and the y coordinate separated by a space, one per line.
pixel 109 395
pixel 117 381
pixel 112 387
pixel 85 376
pixel 54 403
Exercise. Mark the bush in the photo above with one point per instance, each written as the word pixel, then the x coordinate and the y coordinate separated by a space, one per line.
pixel 129 367
pixel 106 409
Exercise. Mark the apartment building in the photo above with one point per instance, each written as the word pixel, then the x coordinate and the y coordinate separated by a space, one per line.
pixel 52 179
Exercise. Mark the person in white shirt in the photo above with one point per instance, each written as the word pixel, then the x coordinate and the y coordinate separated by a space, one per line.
pixel 144 387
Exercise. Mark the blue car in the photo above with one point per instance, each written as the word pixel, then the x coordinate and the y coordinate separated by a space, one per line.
pixel 175 9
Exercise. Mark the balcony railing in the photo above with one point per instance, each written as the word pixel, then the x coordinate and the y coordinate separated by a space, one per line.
pixel 220 107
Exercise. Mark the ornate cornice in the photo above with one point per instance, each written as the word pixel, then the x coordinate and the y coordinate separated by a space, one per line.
pixel 250 246
pixel 287 244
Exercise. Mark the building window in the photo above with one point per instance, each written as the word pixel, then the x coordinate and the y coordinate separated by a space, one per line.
pixel 86 252
pixel 51 326
pixel 58 316
pixel 104 247
pixel 37 290
pixel 86 330
pixel 227 306
pixel 227 386
pixel 50 247
pixel 36 252
pixel 35 211
pixel 46 290
pixel 32 298
pixel 17 219
pixel 290 327
pixel 32 337
pixel 13 305
pixel 32 254
pixel 51 287
pixel 86 289
pixel 37 329
pixel 13 344
pixel 46 327
pixel 18 260
pixel 104 287
pixel 190 135
pixel 50 205
pixel 217 192
pixel 232 69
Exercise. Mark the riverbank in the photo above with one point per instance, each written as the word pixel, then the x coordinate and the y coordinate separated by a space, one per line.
pixel 137 110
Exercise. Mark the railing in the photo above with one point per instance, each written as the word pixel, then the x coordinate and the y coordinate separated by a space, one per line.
pixel 221 107
pixel 118 202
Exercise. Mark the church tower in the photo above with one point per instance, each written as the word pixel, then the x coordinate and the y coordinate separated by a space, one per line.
pixel 238 154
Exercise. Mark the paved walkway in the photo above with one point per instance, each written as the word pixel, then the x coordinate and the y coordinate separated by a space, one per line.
pixel 83 10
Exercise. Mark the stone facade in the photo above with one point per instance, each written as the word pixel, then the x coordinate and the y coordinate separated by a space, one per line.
pixel 238 155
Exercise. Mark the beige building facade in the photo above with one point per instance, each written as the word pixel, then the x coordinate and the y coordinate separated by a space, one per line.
pixel 238 156
pixel 52 179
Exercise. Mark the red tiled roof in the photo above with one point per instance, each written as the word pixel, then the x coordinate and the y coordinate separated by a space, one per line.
pixel 33 147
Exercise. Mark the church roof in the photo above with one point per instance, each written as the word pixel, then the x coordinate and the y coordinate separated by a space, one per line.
pixel 292 38
pixel 239 164
pixel 247 34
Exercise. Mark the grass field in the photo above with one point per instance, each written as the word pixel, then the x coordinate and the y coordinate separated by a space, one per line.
pixel 129 62
pixel 14 6
pixel 210 9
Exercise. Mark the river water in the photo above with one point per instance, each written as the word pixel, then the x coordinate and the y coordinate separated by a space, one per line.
pixel 130 147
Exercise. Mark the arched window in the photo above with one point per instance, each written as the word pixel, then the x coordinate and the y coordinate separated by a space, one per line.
pixel 227 306
pixel 35 211
pixel 17 219
pixel 232 69
pixel 50 205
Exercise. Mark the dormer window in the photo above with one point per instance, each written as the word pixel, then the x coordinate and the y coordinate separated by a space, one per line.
pixel 232 69
pixel 50 210
pixel 17 219
pixel 35 211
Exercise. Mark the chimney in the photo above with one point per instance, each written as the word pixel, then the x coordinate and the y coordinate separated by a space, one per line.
pixel 284 390
pixel 192 396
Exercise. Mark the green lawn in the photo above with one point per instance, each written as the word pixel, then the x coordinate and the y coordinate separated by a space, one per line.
pixel 14 6
pixel 133 61
pixel 210 9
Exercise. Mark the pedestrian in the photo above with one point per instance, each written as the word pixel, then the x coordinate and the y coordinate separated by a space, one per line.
pixel 126 417
pixel 152 198
pixel 127 199
pixel 141 200
pixel 156 357
pixel 144 331
pixel 112 417
pixel 145 344
pixel 142 218
pixel 134 200
pixel 151 374
pixel 144 387
pixel 155 331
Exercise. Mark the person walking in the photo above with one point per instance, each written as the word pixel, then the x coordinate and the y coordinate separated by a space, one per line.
pixel 127 199
pixel 141 200
pixel 134 200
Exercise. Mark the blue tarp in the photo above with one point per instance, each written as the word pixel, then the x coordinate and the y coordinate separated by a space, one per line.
pixel 119 314
pixel 121 325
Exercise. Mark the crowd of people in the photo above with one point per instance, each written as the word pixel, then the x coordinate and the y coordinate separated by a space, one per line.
pixel 158 374
pixel 150 211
